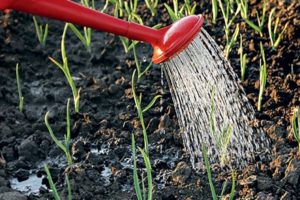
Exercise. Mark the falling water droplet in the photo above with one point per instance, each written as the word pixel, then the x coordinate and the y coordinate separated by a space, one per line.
pixel 144 59
pixel 191 77
pixel 162 89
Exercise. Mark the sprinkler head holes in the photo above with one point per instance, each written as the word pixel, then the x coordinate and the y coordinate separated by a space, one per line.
pixel 176 37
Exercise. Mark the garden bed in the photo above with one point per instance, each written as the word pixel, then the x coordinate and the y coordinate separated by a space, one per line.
pixel 101 132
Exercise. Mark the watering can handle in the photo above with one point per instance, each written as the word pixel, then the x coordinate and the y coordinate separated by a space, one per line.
pixel 68 11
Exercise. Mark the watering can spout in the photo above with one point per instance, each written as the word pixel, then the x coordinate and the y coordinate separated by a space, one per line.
pixel 167 42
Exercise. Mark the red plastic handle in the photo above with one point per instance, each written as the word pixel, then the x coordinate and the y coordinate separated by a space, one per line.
pixel 68 11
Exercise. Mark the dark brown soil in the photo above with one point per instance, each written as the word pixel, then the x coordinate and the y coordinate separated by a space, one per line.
pixel 101 133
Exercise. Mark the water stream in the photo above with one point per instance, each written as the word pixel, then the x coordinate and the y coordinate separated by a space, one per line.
pixel 200 79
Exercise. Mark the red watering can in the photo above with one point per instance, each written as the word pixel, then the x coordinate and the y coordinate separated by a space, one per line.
pixel 166 42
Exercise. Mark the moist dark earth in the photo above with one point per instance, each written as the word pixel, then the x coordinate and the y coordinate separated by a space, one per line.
pixel 101 132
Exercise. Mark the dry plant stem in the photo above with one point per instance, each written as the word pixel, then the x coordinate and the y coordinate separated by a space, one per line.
pixel 21 98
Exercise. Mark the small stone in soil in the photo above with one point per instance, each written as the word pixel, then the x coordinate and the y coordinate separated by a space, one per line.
pixel 8 153
pixel 78 150
pixel 264 196
pixel 29 150
pixel 3 182
pixel 165 122
pixel 94 159
pixel 264 183
pixel 292 172
pixel 181 173
pixel 12 196
pixel 22 175
pixel 250 181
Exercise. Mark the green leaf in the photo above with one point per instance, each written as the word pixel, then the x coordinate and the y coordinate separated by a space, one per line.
pixel 68 136
pixel 148 171
pixel 57 142
pixel 264 14
pixel 171 12
pixel 135 174
pixel 212 116
pixel 68 187
pixel 243 66
pixel 175 6
pixel 207 167
pixel 271 33
pixel 137 18
pixel 51 183
pixel 132 45
pixel 224 185
pixel 21 98
pixel 262 81
pixel 280 35
pixel 147 68
pixel 78 34
pixel 63 48
pixel 152 102
pixel 262 52
pixel 235 35
pixel 45 34
pixel 232 192
pixel 252 25
pixel 296 128
pixel 56 63
pixel 125 43
pixel 193 9
pixel 137 103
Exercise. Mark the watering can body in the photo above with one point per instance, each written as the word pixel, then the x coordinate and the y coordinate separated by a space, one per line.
pixel 166 42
